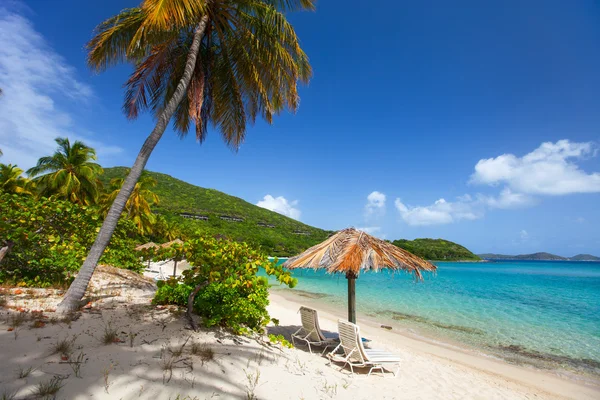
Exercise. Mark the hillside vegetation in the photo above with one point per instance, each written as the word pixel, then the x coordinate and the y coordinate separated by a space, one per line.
pixel 208 211
pixel 436 249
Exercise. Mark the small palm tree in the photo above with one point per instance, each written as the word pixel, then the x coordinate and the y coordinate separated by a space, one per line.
pixel 69 173
pixel 12 181
pixel 139 204
pixel 167 230
pixel 223 62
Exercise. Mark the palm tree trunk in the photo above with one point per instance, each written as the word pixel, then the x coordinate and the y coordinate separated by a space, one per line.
pixel 79 286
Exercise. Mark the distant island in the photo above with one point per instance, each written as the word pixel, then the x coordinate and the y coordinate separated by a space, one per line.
pixel 539 257
pixel 437 249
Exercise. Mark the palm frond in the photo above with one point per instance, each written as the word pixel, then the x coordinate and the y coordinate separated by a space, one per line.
pixel 165 14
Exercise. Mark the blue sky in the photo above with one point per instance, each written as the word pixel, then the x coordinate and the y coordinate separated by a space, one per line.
pixel 474 121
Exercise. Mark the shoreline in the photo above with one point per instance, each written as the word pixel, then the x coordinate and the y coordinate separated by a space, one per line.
pixel 550 382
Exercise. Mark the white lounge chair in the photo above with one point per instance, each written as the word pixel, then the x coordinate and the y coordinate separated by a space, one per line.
pixel 310 332
pixel 355 355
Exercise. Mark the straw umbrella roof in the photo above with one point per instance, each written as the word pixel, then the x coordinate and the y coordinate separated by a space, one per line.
pixel 146 246
pixel 349 251
pixel 171 243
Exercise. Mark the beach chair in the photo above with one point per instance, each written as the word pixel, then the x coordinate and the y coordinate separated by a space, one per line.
pixel 355 355
pixel 310 332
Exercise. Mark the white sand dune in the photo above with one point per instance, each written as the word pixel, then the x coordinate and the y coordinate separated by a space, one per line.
pixel 150 366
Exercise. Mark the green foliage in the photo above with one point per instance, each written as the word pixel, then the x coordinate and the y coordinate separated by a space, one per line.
pixel 138 206
pixel 11 180
pixel 232 86
pixel 52 237
pixel 286 237
pixel 235 296
pixel 69 174
pixel 281 340
pixel 171 292
pixel 436 249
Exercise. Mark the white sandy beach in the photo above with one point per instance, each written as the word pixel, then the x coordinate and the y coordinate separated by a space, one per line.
pixel 152 364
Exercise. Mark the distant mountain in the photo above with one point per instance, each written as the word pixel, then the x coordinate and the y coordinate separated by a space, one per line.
pixel 436 249
pixel 539 257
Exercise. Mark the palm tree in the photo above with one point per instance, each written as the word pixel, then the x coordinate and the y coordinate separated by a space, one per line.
pixel 138 207
pixel 223 62
pixel 167 230
pixel 69 173
pixel 12 181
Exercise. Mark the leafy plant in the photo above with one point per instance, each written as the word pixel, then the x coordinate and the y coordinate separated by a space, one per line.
pixel 51 238
pixel 235 296
pixel 281 340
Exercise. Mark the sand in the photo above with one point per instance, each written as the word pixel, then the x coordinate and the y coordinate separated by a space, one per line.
pixel 152 357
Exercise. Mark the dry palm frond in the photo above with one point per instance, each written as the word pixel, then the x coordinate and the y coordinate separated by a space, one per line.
pixel 350 251
pixel 148 245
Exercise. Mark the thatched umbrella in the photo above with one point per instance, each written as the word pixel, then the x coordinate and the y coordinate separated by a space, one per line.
pixel 146 246
pixel 349 251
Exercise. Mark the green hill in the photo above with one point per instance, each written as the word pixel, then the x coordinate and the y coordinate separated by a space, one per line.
pixel 584 257
pixel 436 249
pixel 212 212
pixel 542 256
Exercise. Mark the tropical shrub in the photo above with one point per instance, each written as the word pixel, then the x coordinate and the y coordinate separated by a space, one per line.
pixel 51 239
pixel 234 297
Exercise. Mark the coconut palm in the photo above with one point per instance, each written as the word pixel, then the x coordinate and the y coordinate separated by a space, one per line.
pixel 166 229
pixel 69 173
pixel 223 62
pixel 12 181
pixel 138 207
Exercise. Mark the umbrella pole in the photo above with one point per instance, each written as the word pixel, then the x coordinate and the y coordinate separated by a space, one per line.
pixel 351 297
pixel 174 268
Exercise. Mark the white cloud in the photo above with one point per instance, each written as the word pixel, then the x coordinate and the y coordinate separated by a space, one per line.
pixel 524 235
pixel 375 204
pixel 548 170
pixel 440 212
pixel 507 199
pixel 34 80
pixel 281 205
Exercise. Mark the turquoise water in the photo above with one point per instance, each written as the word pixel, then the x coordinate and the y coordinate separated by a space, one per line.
pixel 544 313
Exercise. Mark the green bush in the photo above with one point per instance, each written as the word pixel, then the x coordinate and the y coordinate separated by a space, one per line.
pixel 235 297
pixel 171 292
pixel 51 238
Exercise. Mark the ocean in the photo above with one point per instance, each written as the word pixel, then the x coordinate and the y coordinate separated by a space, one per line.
pixel 528 312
